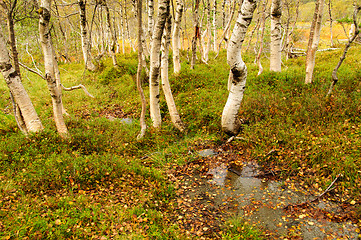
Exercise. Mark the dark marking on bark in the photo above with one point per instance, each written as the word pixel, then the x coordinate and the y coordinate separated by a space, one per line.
pixel 5 67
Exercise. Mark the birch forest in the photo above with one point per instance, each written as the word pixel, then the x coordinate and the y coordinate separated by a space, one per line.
pixel 180 119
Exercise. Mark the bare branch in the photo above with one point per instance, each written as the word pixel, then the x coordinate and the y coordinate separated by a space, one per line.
pixel 32 70
pixel 77 87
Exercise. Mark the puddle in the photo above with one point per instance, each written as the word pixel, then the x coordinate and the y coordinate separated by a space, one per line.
pixel 265 203
pixel 128 121
pixel 207 153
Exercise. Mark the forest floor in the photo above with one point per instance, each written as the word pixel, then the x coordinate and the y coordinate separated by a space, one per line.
pixel 106 184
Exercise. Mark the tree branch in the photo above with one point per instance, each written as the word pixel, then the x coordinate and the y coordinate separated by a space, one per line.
pixel 77 87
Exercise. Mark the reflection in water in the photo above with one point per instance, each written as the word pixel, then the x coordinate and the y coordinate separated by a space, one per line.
pixel 262 202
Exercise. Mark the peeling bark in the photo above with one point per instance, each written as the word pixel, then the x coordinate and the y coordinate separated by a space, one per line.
pixel 50 70
pixel 17 91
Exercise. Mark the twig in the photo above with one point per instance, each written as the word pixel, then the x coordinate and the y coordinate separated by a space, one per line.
pixel 32 70
pixel 327 189
pixel 318 197
pixel 77 87
pixel 32 59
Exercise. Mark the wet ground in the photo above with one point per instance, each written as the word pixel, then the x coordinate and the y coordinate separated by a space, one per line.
pixel 216 189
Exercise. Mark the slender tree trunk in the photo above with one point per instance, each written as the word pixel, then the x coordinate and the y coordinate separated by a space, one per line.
pixel 143 125
pixel 196 34
pixel 208 33
pixel 84 37
pixel 17 90
pixel 313 41
pixel 150 19
pixel 238 73
pixel 127 30
pixel 214 25
pixel 262 29
pixel 49 62
pixel 113 39
pixel 163 12
pixel 226 29
pixel 122 26
pixel 331 21
pixel 348 45
pixel 176 37
pixel 276 13
pixel 174 115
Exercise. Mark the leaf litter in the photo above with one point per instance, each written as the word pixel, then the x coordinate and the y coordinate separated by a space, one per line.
pixel 226 183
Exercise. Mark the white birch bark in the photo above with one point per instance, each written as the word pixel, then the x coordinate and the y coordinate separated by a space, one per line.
pixel 84 37
pixel 17 90
pixel 238 70
pixel 163 12
pixel 112 39
pixel 50 70
pixel 122 26
pixel 275 48
pixel 214 25
pixel 313 41
pixel 150 19
pixel 176 37
pixel 262 30
pixel 174 115
pixel 196 34
pixel 143 125
pixel 207 33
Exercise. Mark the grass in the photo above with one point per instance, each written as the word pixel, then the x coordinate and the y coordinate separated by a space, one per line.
pixel 105 183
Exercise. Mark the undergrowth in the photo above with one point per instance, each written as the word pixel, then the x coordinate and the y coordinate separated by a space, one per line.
pixel 104 182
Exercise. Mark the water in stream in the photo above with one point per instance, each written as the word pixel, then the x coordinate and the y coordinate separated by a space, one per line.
pixel 265 203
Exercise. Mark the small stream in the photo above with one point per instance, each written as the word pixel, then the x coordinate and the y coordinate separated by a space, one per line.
pixel 265 202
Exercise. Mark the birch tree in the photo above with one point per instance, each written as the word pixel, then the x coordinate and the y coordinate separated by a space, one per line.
pixel 313 40
pixel 163 12
pixel 276 37
pixel 231 124
pixel 173 112
pixel 85 43
pixel 21 98
pixel 51 67
pixel 113 39
pixel 214 25
pixel 176 36
pixel 357 9
pixel 196 33
pixel 143 125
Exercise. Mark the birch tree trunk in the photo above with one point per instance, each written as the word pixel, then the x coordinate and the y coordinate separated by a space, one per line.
pixel 113 39
pixel 174 115
pixel 214 25
pixel 275 58
pixel 122 26
pixel 262 28
pixel 89 65
pixel 176 37
pixel 150 19
pixel 17 90
pixel 348 45
pixel 313 41
pixel 196 34
pixel 224 36
pixel 50 68
pixel 163 12
pixel 238 70
pixel 207 46
pixel 331 22
pixel 143 125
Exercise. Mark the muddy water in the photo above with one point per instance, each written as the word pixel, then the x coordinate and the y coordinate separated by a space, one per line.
pixel 263 202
